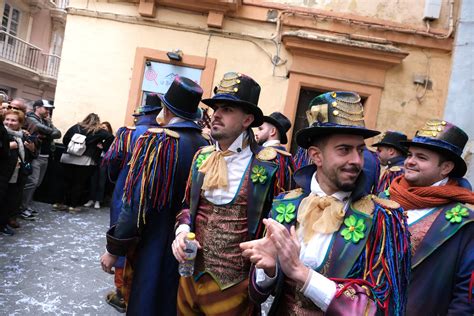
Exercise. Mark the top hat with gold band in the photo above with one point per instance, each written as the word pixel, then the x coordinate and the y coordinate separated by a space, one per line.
pixel 239 90
pixel 393 139
pixel 337 112
pixel 183 97
pixel 281 123
pixel 444 138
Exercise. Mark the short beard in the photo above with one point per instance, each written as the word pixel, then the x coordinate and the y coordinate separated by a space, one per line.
pixel 261 141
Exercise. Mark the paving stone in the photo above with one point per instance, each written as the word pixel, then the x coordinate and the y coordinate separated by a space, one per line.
pixel 51 265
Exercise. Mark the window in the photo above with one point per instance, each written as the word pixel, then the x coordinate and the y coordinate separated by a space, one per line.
pixel 10 22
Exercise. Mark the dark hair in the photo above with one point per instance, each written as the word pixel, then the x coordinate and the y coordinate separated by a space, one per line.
pixel 109 127
pixel 320 141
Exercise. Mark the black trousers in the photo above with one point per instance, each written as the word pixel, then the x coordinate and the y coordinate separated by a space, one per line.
pixel 75 182
pixel 98 180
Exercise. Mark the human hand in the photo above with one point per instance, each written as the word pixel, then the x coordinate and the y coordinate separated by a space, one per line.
pixel 178 246
pixel 288 248
pixel 29 146
pixel 107 261
pixel 99 145
pixel 262 253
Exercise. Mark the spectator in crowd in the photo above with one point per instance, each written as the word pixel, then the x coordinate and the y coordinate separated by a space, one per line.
pixel 5 172
pixel 41 128
pixel 99 172
pixel 77 168
pixel 19 104
pixel 21 150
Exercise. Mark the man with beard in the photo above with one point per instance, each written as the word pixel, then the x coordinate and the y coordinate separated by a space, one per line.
pixel 330 248
pixel 230 190
pixel 272 133
pixel 391 154
pixel 440 219
pixel 40 126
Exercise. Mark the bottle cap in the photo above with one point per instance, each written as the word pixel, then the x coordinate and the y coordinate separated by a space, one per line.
pixel 191 236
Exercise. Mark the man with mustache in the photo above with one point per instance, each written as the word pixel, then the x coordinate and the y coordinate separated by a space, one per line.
pixel 230 189
pixel 272 133
pixel 330 248
pixel 440 221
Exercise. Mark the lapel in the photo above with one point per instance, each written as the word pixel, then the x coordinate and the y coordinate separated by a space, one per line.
pixel 259 193
pixel 345 253
pixel 440 231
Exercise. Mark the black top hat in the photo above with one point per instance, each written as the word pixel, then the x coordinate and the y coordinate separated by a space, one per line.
pixel 334 113
pixel 444 138
pixel 282 124
pixel 152 104
pixel 182 98
pixel 393 139
pixel 240 90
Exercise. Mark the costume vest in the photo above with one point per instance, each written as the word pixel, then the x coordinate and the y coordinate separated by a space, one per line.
pixel 221 228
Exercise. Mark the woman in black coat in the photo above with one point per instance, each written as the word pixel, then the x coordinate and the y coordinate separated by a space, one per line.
pixel 20 154
pixel 77 169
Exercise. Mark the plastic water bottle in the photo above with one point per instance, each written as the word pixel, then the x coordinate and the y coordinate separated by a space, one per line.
pixel 186 268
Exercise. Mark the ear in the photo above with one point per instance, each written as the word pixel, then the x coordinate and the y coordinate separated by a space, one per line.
pixel 316 155
pixel 273 132
pixel 248 120
pixel 446 168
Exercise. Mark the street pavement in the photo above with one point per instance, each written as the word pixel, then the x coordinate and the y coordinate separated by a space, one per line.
pixel 51 265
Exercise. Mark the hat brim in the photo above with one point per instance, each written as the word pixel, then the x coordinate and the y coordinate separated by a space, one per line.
pixel 401 149
pixel 271 120
pixel 250 107
pixel 460 167
pixel 186 115
pixel 305 136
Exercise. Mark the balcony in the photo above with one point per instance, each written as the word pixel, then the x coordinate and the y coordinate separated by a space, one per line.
pixel 24 59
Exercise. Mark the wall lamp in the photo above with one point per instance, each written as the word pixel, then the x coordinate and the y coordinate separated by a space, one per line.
pixel 176 55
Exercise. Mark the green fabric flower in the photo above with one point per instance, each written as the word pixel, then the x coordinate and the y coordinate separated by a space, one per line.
pixel 456 214
pixel 259 174
pixel 286 212
pixel 200 159
pixel 354 230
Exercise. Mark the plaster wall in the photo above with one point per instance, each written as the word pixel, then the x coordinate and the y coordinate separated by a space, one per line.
pixel 96 67
pixel 402 11
pixel 41 30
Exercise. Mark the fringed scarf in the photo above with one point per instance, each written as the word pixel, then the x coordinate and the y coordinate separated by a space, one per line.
pixel 411 198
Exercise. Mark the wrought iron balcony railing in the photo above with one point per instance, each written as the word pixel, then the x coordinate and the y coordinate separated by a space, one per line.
pixel 17 51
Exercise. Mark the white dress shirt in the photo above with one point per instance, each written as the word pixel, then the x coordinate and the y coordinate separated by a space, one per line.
pixel 417 214
pixel 320 290
pixel 271 142
pixel 237 164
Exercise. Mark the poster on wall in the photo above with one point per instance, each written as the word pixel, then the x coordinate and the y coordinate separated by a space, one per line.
pixel 157 77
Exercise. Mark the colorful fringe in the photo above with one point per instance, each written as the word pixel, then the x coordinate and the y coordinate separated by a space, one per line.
pixel 301 158
pixel 284 175
pixel 120 148
pixel 153 165
pixel 385 264
pixel 386 180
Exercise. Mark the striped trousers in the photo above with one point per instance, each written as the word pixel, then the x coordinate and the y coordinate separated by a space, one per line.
pixel 204 297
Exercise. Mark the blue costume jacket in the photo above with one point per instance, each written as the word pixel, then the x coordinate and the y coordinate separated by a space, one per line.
pixel 161 162
pixel 347 260
pixel 117 158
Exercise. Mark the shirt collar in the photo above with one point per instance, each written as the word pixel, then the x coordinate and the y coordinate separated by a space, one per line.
pixel 176 120
pixel 440 182
pixel 316 189
pixel 237 145
pixel 271 142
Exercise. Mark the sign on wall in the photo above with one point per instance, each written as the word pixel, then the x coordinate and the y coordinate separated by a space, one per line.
pixel 158 76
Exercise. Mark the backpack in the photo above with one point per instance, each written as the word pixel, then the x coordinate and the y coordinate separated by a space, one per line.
pixel 77 145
